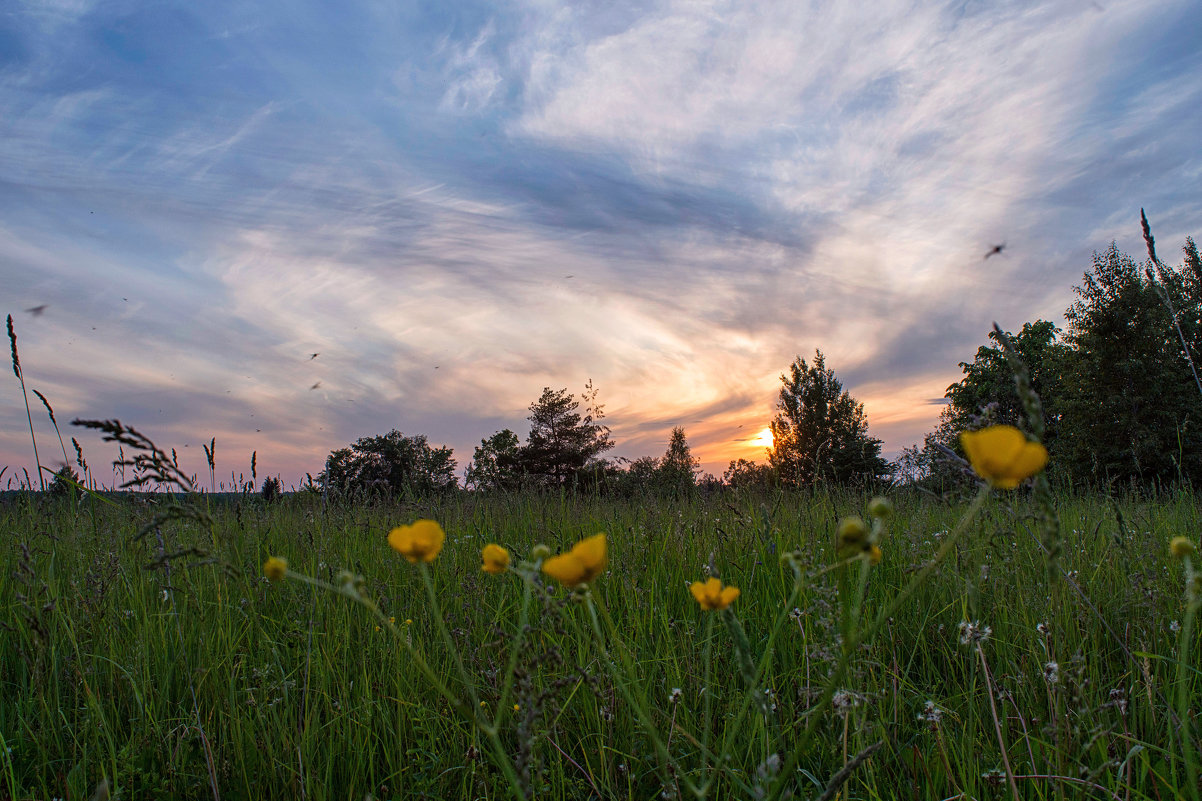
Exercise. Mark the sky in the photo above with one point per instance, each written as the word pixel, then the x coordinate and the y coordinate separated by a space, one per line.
pixel 458 204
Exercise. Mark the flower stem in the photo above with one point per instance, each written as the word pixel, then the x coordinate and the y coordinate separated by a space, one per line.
pixel 864 635
pixel 446 636
pixel 514 649
pixel 1185 726
pixel 997 724
pixel 640 708
pixel 707 705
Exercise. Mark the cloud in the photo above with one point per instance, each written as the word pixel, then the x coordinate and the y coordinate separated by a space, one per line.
pixel 457 206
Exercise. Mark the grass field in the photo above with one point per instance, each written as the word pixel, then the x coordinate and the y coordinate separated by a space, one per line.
pixel 193 676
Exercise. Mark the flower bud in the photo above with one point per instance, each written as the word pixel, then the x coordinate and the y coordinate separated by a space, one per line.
pixel 880 507
pixel 540 552
pixel 1181 547
pixel 852 532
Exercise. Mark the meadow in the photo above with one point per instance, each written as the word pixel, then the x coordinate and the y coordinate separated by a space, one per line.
pixel 157 661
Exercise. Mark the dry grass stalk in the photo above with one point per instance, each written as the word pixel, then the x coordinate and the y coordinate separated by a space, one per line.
pixel 12 340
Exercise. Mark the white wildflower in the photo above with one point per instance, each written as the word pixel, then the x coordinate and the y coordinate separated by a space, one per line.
pixel 973 633
pixel 931 714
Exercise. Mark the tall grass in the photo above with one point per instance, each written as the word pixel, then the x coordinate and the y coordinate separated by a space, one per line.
pixel 192 677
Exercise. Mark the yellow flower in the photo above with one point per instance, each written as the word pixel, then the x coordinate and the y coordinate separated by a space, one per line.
pixel 853 536
pixel 275 568
pixel 496 559
pixel 516 707
pixel 880 507
pixel 408 621
pixel 1181 547
pixel 1003 456
pixel 712 595
pixel 874 555
pixel 419 542
pixel 580 565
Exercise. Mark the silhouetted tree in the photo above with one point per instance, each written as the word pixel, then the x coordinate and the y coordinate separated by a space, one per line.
pixel 988 383
pixel 639 476
pixel 1130 406
pixel 392 463
pixel 1119 397
pixel 745 475
pixel 272 489
pixel 677 471
pixel 820 432
pixel 496 463
pixel 562 442
pixel 62 485
pixel 987 396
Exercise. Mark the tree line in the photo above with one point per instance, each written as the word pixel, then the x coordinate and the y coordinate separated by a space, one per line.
pixel 1122 400
pixel 820 434
pixel 1119 383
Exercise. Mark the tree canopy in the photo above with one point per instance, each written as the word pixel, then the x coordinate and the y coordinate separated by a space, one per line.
pixel 392 463
pixel 1131 407
pixel 820 432
pixel 562 441
pixel 1121 402
pixel 496 463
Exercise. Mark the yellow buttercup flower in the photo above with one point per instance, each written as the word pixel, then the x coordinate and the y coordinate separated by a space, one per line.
pixel 275 568
pixel 1003 456
pixel 496 559
pixel 874 555
pixel 580 565
pixel 419 542
pixel 712 595
pixel 1181 547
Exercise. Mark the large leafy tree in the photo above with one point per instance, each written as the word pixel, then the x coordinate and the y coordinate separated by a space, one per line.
pixel 742 474
pixel 987 394
pixel 1131 408
pixel 391 463
pixel 496 463
pixel 564 443
pixel 820 432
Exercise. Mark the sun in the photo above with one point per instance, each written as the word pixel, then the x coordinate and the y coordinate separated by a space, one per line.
pixel 763 439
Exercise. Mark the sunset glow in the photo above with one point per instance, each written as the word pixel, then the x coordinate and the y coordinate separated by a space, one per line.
pixel 764 440
pixel 231 228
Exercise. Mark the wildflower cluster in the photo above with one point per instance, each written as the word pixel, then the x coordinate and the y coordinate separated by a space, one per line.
pixel 576 568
